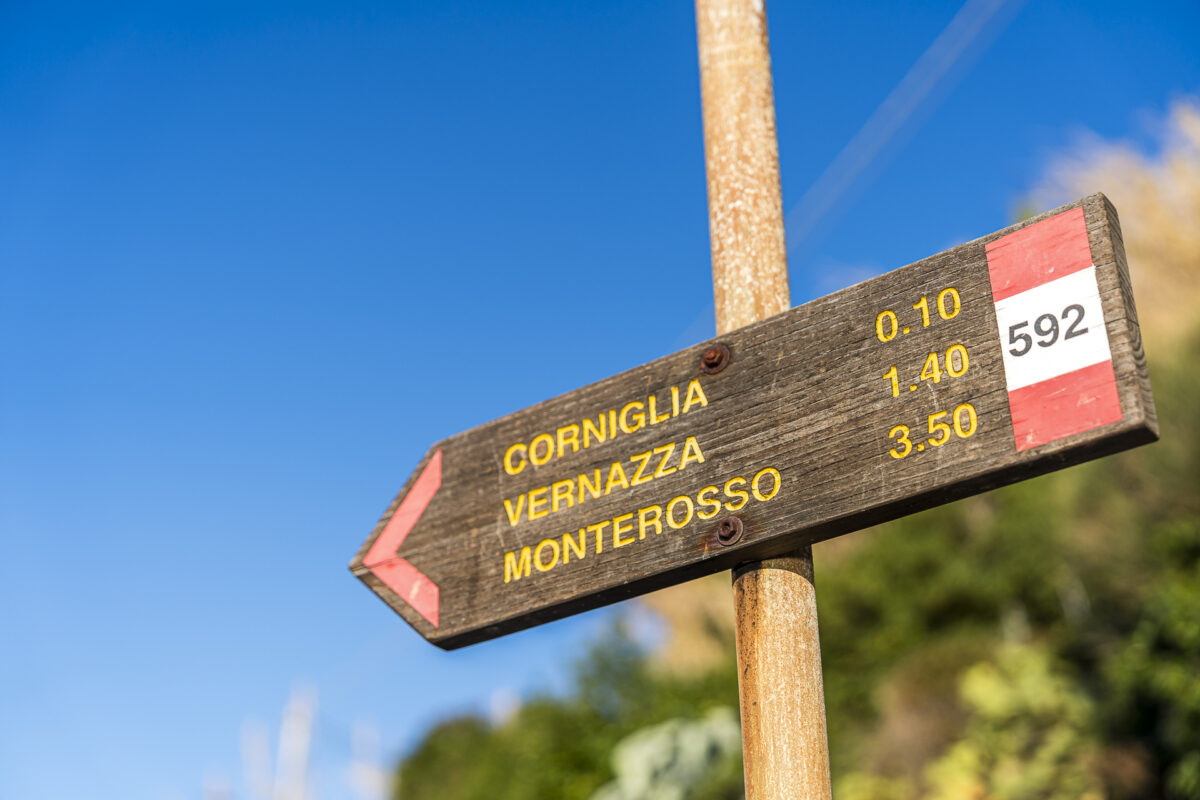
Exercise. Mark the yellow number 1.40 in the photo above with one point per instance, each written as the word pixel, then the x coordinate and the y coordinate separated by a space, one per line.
pixel 894 377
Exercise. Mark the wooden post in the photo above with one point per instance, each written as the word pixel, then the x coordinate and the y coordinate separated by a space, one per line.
pixel 785 746
pixel 784 741
pixel 745 210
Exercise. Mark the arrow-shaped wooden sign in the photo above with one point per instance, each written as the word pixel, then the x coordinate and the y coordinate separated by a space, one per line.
pixel 1003 358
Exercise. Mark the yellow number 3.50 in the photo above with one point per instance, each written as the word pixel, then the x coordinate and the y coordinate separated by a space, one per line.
pixel 902 432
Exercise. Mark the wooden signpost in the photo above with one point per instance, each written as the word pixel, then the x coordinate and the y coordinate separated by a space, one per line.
pixel 1003 358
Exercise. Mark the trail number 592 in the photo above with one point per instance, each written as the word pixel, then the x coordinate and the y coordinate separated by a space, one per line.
pixel 1047 329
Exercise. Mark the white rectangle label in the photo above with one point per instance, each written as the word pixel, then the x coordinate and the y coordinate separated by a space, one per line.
pixel 1052 329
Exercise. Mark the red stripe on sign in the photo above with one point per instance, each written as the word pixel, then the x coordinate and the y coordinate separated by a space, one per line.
pixel 406 516
pixel 1072 403
pixel 1038 254
pixel 413 586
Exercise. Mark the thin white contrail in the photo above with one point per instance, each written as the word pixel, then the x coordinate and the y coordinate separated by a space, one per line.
pixel 921 79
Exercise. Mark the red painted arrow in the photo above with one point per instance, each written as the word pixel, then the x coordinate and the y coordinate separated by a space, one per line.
pixel 400 576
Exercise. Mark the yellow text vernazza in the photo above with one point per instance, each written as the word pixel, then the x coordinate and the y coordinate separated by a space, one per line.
pixel 657 462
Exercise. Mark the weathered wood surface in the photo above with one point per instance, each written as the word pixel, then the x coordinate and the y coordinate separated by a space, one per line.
pixel 802 394
pixel 782 696
pixel 741 158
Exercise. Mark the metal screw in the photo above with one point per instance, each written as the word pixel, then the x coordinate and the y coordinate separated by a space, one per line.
pixel 715 359
pixel 729 531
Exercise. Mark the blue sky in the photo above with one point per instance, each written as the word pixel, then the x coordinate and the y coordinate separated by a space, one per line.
pixel 255 258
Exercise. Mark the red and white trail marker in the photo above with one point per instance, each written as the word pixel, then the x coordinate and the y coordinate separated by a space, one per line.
pixel 412 585
pixel 1057 360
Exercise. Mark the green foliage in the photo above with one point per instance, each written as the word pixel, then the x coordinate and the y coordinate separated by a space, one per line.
pixel 865 786
pixel 1030 735
pixel 1157 674
pixel 554 747
pixel 680 759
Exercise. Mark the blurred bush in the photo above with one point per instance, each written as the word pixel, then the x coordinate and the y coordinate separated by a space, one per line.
pixel 569 747
pixel 679 759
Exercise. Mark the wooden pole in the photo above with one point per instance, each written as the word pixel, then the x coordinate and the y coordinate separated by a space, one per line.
pixel 745 209
pixel 785 746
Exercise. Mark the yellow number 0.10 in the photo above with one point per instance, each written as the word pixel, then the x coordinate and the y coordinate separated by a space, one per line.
pixel 952 312
pixel 888 319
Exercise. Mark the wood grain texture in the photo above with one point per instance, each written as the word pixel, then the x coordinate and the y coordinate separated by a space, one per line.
pixel 784 738
pixel 741 157
pixel 803 394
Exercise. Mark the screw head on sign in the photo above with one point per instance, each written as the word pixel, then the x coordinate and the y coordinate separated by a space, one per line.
pixel 715 359
pixel 729 531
